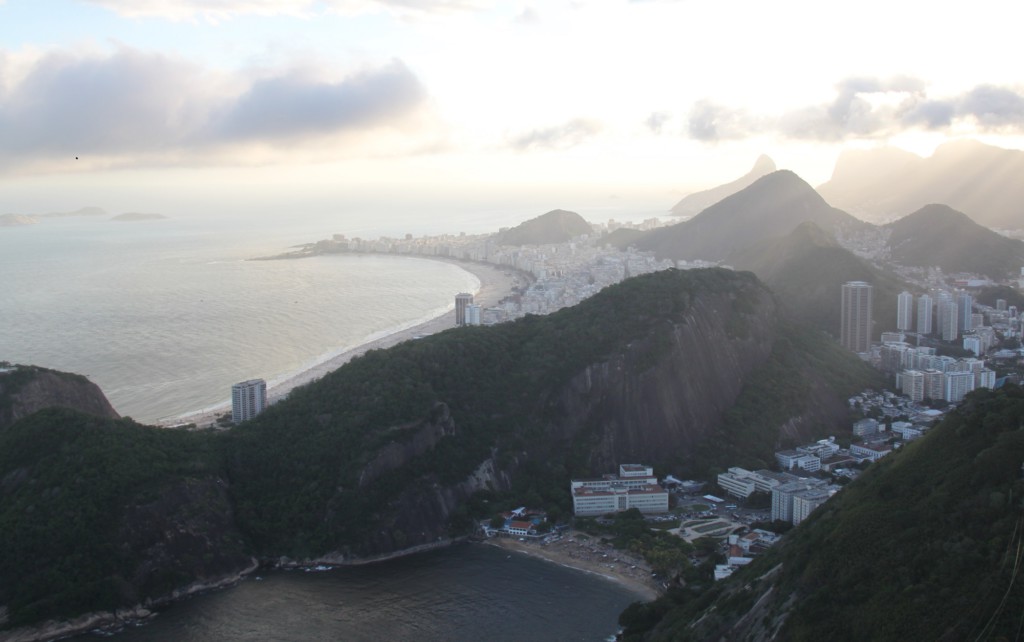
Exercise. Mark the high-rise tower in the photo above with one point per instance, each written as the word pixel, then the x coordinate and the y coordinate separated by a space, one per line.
pixel 949 318
pixel 905 311
pixel 965 303
pixel 925 307
pixel 855 316
pixel 248 399
pixel 462 301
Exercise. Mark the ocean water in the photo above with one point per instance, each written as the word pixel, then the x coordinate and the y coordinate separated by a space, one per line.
pixel 466 592
pixel 166 315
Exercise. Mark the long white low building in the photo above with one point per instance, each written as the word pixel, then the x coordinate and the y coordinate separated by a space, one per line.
pixel 634 487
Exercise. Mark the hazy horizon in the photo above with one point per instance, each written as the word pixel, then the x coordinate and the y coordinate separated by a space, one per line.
pixel 473 108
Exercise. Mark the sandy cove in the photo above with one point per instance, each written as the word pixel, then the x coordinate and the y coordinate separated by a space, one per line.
pixel 586 553
pixel 496 283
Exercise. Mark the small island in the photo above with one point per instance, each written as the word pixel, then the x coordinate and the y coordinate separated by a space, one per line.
pixel 16 220
pixel 138 216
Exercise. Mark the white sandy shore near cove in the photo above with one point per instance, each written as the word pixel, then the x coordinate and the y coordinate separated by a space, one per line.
pixel 496 283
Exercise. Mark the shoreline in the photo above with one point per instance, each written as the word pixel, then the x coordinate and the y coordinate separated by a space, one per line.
pixel 573 552
pixel 496 283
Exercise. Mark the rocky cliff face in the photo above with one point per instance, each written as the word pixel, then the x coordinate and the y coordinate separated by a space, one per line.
pixel 667 391
pixel 425 435
pixel 187 532
pixel 422 513
pixel 27 389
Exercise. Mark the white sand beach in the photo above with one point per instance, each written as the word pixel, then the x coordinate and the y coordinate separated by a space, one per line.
pixel 495 284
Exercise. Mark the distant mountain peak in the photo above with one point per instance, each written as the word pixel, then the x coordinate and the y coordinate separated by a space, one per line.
pixel 772 206
pixel 556 226
pixel 763 165
pixel 698 201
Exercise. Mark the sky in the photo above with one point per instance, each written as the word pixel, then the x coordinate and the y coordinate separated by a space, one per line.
pixel 230 106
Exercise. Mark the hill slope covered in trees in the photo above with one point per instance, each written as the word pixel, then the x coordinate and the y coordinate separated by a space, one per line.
pixel 926 545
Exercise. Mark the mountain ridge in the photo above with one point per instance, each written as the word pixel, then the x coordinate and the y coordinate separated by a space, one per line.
pixel 772 206
pixel 938 235
pixel 696 202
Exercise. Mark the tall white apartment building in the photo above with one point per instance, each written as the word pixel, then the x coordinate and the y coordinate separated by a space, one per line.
pixel 806 501
pixel 855 316
pixel 905 311
pixel 924 314
pixel 965 305
pixel 949 319
pixel 958 384
pixel 782 497
pixel 248 399
pixel 913 384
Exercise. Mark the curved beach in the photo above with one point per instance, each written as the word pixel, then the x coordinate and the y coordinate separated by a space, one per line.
pixel 590 555
pixel 496 283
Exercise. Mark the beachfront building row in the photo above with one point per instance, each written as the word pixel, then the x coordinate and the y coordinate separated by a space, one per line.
pixel 634 487
pixel 248 399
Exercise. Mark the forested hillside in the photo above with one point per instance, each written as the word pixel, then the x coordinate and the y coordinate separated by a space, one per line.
pixel 926 545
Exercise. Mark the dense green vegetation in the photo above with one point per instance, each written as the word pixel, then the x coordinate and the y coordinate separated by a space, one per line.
pixel 926 545
pixel 804 366
pixel 497 382
pixel 65 480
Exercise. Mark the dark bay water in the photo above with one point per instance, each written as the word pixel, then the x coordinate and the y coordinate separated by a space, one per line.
pixel 466 592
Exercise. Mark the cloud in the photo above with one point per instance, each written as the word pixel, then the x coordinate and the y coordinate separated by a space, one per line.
pixel 657 120
pixel 866 108
pixel 135 104
pixel 287 106
pixel 529 17
pixel 993 107
pixel 219 10
pixel 930 114
pixel 210 10
pixel 568 134
pixel 709 121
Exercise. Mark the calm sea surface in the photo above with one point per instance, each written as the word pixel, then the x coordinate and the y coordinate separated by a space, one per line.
pixel 166 315
pixel 467 592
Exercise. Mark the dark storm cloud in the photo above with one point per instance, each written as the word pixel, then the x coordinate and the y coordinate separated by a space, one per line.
pixel 132 102
pixel 562 136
